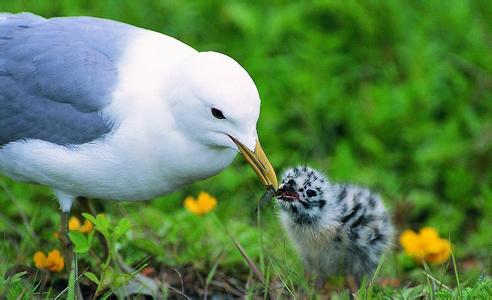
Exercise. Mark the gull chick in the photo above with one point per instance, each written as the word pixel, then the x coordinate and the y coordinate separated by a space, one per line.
pixel 338 229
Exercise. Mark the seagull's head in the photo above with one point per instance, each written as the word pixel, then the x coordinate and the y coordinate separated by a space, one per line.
pixel 215 101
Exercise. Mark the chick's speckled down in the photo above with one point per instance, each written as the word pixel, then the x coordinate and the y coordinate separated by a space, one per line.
pixel 338 229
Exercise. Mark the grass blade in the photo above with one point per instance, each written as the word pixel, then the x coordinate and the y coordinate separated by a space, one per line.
pixel 248 260
pixel 458 284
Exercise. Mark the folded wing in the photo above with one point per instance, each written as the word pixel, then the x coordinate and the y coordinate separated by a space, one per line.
pixel 56 77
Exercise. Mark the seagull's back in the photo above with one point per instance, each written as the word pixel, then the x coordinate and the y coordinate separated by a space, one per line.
pixel 64 67
pixel 77 98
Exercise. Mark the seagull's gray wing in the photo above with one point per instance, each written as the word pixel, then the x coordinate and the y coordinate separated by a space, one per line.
pixel 56 75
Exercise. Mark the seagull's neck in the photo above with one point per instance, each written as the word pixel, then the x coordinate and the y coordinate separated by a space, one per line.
pixel 149 60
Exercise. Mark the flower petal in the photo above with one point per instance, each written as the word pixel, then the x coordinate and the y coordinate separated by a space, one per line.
pixel 74 223
pixel 191 205
pixel 55 261
pixel 428 234
pixel 206 202
pixel 86 227
pixel 412 245
pixel 408 239
pixel 40 259
pixel 442 252
pixel 202 205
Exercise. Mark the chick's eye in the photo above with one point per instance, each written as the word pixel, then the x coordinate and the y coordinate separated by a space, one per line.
pixel 311 193
pixel 217 113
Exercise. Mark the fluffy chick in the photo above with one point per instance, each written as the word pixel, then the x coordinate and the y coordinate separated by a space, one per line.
pixel 338 229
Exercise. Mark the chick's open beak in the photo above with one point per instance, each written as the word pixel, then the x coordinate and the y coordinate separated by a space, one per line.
pixel 287 193
pixel 259 162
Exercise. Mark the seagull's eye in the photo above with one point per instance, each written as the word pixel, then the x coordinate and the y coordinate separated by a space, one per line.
pixel 311 193
pixel 217 113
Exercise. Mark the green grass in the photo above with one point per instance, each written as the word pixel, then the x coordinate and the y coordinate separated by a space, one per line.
pixel 394 95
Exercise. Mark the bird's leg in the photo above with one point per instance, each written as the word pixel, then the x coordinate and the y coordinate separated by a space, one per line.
pixel 320 283
pixel 65 240
pixel 66 201
pixel 353 284
pixel 68 254
pixel 86 205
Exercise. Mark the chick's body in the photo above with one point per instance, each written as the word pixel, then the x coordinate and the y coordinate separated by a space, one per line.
pixel 338 229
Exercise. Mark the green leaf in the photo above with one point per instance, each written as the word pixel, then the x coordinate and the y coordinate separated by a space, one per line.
pixel 17 277
pixel 92 277
pixel 90 236
pixel 122 227
pixel 101 224
pixel 150 246
pixel 102 221
pixel 89 217
pixel 81 244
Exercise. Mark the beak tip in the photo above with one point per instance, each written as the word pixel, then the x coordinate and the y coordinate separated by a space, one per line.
pixel 259 162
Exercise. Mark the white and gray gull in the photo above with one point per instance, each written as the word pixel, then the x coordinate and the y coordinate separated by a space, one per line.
pixel 339 229
pixel 98 108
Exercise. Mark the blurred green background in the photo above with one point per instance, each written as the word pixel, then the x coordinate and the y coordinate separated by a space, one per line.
pixel 394 95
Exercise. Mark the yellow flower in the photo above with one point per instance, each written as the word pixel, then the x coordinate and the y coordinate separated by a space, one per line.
pixel 74 224
pixel 203 205
pixel 53 262
pixel 425 245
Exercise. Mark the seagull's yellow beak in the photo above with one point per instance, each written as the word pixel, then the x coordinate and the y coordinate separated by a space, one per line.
pixel 260 163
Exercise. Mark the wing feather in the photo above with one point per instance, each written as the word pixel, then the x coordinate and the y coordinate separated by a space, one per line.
pixel 56 76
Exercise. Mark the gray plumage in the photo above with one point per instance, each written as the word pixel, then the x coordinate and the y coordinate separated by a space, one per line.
pixel 338 229
pixel 56 75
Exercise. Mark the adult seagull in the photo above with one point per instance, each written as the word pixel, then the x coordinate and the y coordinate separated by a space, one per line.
pixel 102 109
